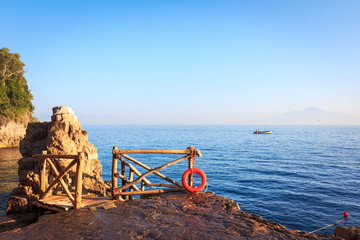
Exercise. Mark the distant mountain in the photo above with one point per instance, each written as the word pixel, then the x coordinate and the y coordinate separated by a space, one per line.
pixel 310 116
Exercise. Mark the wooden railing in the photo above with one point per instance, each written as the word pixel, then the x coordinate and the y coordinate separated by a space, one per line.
pixel 49 159
pixel 129 183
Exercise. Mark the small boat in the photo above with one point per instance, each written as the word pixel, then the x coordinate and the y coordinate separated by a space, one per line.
pixel 257 131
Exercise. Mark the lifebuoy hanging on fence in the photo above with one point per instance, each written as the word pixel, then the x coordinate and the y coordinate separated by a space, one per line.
pixel 185 177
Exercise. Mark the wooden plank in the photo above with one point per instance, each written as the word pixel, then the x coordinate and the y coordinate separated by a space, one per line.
pixel 152 151
pixel 149 168
pixel 55 156
pixel 155 151
pixel 59 202
pixel 162 185
pixel 50 207
pixel 55 198
pixel 62 202
pixel 148 173
pixel 156 191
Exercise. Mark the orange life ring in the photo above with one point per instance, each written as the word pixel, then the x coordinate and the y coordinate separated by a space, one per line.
pixel 198 172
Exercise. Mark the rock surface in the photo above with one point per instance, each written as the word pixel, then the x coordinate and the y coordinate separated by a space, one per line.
pixel 170 216
pixel 12 132
pixel 17 221
pixel 63 135
pixel 348 233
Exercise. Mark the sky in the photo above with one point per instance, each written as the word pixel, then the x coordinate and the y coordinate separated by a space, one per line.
pixel 186 62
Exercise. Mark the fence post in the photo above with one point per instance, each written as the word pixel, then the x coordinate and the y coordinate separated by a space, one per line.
pixel 191 177
pixel 42 175
pixel 114 181
pixel 142 185
pixel 131 178
pixel 123 181
pixel 79 173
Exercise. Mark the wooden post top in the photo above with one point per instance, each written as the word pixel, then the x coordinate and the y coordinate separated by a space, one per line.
pixel 81 155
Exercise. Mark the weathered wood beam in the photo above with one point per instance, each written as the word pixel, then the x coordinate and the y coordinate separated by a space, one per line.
pixel 127 180
pixel 156 191
pixel 156 151
pixel 131 178
pixel 133 169
pixel 123 173
pixel 116 191
pixel 63 184
pixel 114 182
pixel 191 176
pixel 55 156
pixel 149 168
pixel 49 207
pixel 43 173
pixel 79 174
pixel 57 179
pixel 162 185
pixel 142 186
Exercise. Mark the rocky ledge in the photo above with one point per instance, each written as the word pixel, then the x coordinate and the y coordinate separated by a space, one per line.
pixel 168 216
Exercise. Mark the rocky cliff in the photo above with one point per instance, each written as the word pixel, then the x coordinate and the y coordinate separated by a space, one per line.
pixel 63 135
pixel 12 132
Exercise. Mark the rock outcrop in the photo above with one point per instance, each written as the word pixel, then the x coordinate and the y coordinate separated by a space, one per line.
pixel 63 135
pixel 167 216
pixel 11 132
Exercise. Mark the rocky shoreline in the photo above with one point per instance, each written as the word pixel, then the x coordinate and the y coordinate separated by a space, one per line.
pixel 167 216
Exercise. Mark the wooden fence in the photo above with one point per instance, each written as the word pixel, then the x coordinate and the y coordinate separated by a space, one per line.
pixel 49 159
pixel 130 184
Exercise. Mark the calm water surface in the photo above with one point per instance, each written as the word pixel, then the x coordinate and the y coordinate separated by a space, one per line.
pixel 302 177
pixel 8 174
pixel 8 169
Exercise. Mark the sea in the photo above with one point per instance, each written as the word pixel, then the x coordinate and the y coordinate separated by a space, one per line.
pixel 303 177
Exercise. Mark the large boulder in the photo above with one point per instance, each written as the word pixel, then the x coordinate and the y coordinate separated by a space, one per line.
pixel 63 135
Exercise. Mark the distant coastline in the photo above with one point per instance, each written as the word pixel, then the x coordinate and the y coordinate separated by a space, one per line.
pixel 310 116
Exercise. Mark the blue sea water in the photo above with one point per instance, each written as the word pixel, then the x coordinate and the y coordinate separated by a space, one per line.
pixel 303 177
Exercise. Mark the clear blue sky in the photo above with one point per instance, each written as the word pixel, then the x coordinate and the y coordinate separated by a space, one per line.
pixel 186 62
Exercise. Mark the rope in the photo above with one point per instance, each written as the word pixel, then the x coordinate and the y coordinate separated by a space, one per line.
pixel 327 226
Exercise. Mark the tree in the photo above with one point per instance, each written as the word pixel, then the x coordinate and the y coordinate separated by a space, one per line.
pixel 15 97
pixel 10 65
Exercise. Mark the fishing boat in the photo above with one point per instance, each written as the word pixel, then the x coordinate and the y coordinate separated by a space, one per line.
pixel 257 131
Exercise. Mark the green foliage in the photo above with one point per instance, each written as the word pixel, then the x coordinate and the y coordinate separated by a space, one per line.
pixel 15 97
